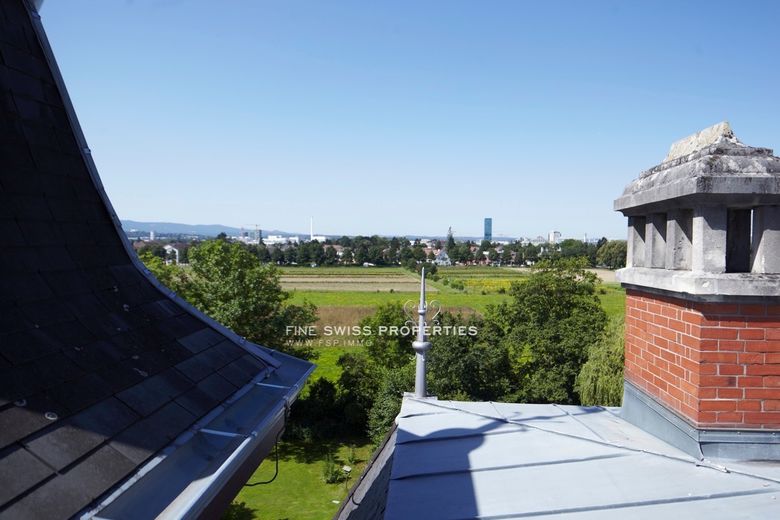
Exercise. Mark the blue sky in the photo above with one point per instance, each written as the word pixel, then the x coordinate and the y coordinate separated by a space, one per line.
pixel 405 117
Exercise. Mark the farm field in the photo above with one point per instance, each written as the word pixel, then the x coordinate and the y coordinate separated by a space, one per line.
pixel 369 279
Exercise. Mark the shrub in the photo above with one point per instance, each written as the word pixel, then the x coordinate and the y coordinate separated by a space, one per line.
pixel 331 472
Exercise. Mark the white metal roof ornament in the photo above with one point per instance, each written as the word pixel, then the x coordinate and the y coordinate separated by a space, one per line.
pixel 421 345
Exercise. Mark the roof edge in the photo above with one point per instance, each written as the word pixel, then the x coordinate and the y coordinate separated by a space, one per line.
pixel 240 430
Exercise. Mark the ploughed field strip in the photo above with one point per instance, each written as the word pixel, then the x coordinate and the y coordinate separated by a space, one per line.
pixel 100 369
pixel 401 283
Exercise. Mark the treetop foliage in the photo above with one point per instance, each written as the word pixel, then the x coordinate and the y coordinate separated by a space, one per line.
pixel 228 283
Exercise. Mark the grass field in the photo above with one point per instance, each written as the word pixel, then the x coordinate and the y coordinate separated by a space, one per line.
pixel 299 491
pixel 449 300
pixel 613 299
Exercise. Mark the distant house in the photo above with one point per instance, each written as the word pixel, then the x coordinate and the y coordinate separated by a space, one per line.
pixel 339 249
pixel 443 259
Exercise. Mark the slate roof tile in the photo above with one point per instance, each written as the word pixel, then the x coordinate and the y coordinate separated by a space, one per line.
pixel 20 347
pixel 144 438
pixel 195 368
pixel 146 397
pixel 54 369
pixel 206 395
pixel 63 443
pixel 238 372
pixel 66 494
pixel 19 421
pixel 55 258
pixel 19 471
pixel 201 339
pixel 18 381
pixel 94 356
pixel 81 392
pixel 46 312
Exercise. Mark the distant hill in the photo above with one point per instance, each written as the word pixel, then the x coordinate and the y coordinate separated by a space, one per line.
pixel 173 228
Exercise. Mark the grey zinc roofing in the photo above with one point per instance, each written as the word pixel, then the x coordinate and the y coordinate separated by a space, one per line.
pixel 455 460
pixel 103 372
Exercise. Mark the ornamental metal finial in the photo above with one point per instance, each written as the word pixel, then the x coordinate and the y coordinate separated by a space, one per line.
pixel 421 345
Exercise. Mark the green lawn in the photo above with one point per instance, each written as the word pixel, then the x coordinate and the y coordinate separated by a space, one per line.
pixel 449 300
pixel 327 357
pixel 613 300
pixel 299 492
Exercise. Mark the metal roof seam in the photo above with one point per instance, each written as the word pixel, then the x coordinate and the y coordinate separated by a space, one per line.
pixel 625 505
pixel 578 421
pixel 507 467
pixel 600 442
pixel 452 437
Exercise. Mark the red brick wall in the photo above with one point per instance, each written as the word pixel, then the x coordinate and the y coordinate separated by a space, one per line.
pixel 716 364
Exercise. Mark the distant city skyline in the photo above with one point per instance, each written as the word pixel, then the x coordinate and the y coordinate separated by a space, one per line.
pixel 172 228
pixel 401 117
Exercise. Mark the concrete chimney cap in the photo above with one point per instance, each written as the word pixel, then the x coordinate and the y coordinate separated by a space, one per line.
pixel 715 134
pixel 712 166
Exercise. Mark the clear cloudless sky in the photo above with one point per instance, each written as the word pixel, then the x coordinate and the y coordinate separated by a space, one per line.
pixel 405 117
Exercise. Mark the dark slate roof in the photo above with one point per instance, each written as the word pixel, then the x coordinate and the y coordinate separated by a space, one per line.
pixel 100 369
pixel 502 460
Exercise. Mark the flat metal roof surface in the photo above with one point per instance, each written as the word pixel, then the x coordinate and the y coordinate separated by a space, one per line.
pixel 499 460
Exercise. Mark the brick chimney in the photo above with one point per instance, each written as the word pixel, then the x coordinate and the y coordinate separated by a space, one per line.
pixel 702 367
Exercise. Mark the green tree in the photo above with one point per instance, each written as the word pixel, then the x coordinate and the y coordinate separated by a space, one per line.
pixel 228 283
pixel 600 381
pixel 385 348
pixel 277 255
pixel 464 366
pixel 612 254
pixel 572 247
pixel 348 255
pixel 506 256
pixel 169 275
pixel 388 400
pixel 331 256
pixel 450 244
pixel 359 384
pixel 154 249
pixel 547 328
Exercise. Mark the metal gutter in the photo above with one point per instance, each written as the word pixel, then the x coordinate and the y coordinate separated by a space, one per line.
pixel 204 468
